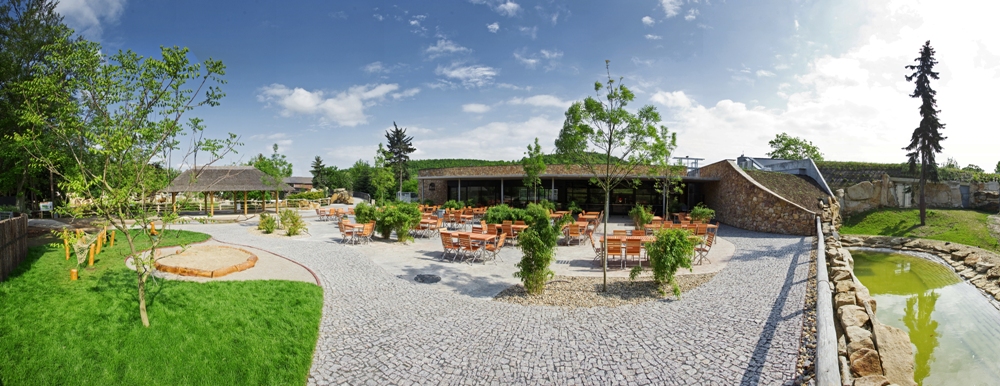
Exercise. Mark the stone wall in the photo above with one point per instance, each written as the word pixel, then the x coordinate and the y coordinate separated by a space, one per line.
pixel 740 201
pixel 903 193
pixel 440 193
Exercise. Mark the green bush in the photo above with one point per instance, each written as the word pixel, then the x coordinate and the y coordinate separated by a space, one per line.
pixel 306 196
pixel 267 223
pixel 702 213
pixel 452 204
pixel 641 215
pixel 548 205
pixel 428 202
pixel 538 244
pixel 398 217
pixel 292 222
pixel 574 208
pixel 364 213
pixel 671 251
pixel 500 213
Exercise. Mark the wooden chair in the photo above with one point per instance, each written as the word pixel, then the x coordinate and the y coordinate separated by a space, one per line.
pixel 470 249
pixel 479 228
pixel 491 229
pixel 509 229
pixel 574 234
pixel 449 245
pixel 494 249
pixel 366 233
pixel 598 250
pixel 701 251
pixel 519 222
pixel 633 248
pixel 620 232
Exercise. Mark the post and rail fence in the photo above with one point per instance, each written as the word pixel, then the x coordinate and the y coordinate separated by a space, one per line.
pixel 13 244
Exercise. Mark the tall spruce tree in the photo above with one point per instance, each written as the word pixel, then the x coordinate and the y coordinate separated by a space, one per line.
pixel 926 139
pixel 399 147
pixel 319 173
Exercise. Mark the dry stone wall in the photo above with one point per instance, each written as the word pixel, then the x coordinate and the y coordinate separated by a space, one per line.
pixel 902 193
pixel 740 201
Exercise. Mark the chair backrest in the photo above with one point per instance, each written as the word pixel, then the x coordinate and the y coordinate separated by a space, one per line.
pixel 506 222
pixel 614 246
pixel 465 241
pixel 574 230
pixel 369 229
pixel 633 246
pixel 491 229
pixel 508 229
pixel 709 240
pixel 701 229
pixel 593 243
pixel 501 240
pixel 620 232
pixel 482 224
pixel 340 225
pixel 519 222
pixel 446 240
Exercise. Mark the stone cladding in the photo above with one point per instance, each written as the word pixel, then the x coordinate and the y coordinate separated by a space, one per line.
pixel 740 201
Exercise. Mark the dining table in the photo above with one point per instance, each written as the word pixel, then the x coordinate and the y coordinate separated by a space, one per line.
pixel 479 237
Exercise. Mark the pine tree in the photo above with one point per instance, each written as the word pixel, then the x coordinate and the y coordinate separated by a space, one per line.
pixel 319 173
pixel 926 140
pixel 399 147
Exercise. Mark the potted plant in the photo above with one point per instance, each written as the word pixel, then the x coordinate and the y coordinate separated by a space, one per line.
pixel 641 215
pixel 702 213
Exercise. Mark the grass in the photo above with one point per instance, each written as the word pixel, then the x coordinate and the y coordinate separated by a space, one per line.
pixel 958 226
pixel 800 190
pixel 56 331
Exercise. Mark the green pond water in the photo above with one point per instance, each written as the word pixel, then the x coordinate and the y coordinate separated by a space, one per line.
pixel 954 328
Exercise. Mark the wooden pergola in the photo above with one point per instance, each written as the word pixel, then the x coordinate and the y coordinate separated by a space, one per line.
pixel 212 179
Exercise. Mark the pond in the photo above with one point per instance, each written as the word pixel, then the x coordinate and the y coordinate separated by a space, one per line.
pixel 954 328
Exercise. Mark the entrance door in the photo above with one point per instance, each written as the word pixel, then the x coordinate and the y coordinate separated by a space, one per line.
pixel 965 195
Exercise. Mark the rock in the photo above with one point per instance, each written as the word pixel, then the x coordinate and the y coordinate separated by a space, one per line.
pixel 861 191
pixel 983 267
pixel 845 371
pixel 896 353
pixel 971 260
pixel 872 380
pixel 850 240
pixel 993 273
pixel 864 343
pixel 855 334
pixel 842 345
pixel 844 299
pixel 340 196
pixel 852 316
pixel 865 362
pixel 839 274
pixel 967 274
pixel 862 298
pixel 845 285
pixel 979 281
pixel 959 255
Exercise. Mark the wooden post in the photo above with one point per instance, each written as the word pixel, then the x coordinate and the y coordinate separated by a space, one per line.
pixel 173 202
pixel 90 257
pixel 97 245
pixel 152 228
pixel 112 237
pixel 263 202
pixel 66 246
pixel 211 204
pixel 72 274
pixel 244 203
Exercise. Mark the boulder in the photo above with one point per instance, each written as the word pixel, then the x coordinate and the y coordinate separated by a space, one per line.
pixel 959 255
pixel 993 273
pixel 839 274
pixel 872 380
pixel 856 334
pixel 340 196
pixel 865 362
pixel 861 191
pixel 852 316
pixel 844 299
pixel 983 267
pixel 860 298
pixel 897 354
pixel 864 343
pixel 842 345
pixel 971 260
pixel 845 286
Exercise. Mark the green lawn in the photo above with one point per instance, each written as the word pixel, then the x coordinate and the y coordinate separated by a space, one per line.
pixel 959 226
pixel 54 331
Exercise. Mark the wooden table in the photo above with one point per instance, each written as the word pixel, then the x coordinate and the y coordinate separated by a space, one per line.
pixel 644 239
pixel 481 237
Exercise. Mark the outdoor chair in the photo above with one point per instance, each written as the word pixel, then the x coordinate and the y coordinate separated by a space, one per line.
pixel 509 229
pixel 494 249
pixel 620 232
pixel 470 249
pixel 449 245
pixel 347 235
pixel 574 234
pixel 701 251
pixel 479 228
pixel 435 227
pixel 615 249
pixel 491 229
pixel 598 250
pixel 366 233
pixel 633 248
pixel 519 222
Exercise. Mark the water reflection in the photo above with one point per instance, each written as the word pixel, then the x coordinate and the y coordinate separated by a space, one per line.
pixel 923 331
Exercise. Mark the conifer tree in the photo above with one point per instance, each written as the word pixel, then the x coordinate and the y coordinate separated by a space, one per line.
pixel 926 139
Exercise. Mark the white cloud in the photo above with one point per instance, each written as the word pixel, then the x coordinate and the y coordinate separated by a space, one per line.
pixel 671 7
pixel 88 17
pixel 470 76
pixel 444 47
pixel 378 17
pixel 554 54
pixel 653 37
pixel 541 101
pixel 509 86
pixel 527 62
pixel 345 108
pixel 493 27
pixel 796 24
pixel 676 99
pixel 508 8
pixel 495 140
pixel 648 21
pixel 529 31
pixel 764 74
pixel 375 68
pixel 477 108
pixel 639 62
pixel 691 15
pixel 405 94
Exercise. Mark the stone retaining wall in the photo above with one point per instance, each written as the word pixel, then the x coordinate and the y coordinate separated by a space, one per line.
pixel 904 193
pixel 742 202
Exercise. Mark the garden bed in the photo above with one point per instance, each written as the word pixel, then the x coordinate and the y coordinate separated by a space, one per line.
pixel 577 292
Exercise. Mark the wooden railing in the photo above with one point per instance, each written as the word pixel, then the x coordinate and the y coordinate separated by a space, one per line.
pixel 13 244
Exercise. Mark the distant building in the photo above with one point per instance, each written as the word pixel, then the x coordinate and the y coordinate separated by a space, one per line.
pixel 300 184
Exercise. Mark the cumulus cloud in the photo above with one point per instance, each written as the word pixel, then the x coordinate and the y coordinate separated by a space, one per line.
pixel 764 74
pixel 405 94
pixel 444 47
pixel 648 21
pixel 691 15
pixel 345 108
pixel 88 17
pixel 375 68
pixel 671 7
pixel 493 27
pixel 554 54
pixel 653 37
pixel 494 140
pixel 541 101
pixel 469 76
pixel 504 7
pixel 509 86
pixel 477 108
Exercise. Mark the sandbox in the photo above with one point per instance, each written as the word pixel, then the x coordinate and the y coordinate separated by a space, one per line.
pixel 207 261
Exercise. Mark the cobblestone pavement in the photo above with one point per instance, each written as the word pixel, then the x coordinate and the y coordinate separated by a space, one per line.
pixel 741 328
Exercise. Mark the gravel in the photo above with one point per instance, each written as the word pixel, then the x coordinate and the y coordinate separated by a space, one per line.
pixel 742 327
pixel 805 372
pixel 575 292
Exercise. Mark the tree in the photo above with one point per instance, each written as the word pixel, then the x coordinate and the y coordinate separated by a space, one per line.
pixel 611 142
pixel 361 173
pixel 318 172
pixel 784 146
pixel 381 175
pixel 112 117
pixel 338 178
pixel 951 163
pixel 275 168
pixel 997 168
pixel 398 152
pixel 926 139
pixel 534 166
pixel 973 168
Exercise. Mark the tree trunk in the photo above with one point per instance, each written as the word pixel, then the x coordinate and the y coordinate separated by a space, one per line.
pixel 923 203
pixel 142 293
pixel 604 261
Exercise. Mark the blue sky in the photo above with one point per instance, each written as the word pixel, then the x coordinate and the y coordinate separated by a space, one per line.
pixel 483 78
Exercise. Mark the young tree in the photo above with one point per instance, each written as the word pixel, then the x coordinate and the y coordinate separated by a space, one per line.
pixel 318 172
pixel 398 153
pixel 926 139
pixel 276 168
pixel 534 165
pixel 361 173
pixel 338 178
pixel 996 169
pixel 973 168
pixel 381 174
pixel 113 116
pixel 784 146
pixel 611 142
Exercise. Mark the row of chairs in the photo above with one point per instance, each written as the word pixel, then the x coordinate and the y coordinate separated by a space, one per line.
pixel 470 250
pixel 622 250
pixel 428 230
pixel 353 235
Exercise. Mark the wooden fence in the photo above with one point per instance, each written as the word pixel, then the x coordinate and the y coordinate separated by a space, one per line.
pixel 13 244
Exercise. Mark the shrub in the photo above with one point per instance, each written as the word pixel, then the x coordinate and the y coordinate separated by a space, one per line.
pixel 428 202
pixel 452 204
pixel 306 195
pixel 548 205
pixel 499 213
pixel 574 208
pixel 702 213
pixel 672 250
pixel 398 217
pixel 538 244
pixel 267 223
pixel 364 213
pixel 292 222
pixel 641 215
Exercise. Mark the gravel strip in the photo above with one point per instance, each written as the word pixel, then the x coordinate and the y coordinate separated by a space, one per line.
pixel 576 292
pixel 806 370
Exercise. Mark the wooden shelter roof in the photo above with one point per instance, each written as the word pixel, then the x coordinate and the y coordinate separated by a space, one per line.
pixel 225 179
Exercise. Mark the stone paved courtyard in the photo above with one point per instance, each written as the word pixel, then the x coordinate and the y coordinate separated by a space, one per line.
pixel 740 328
